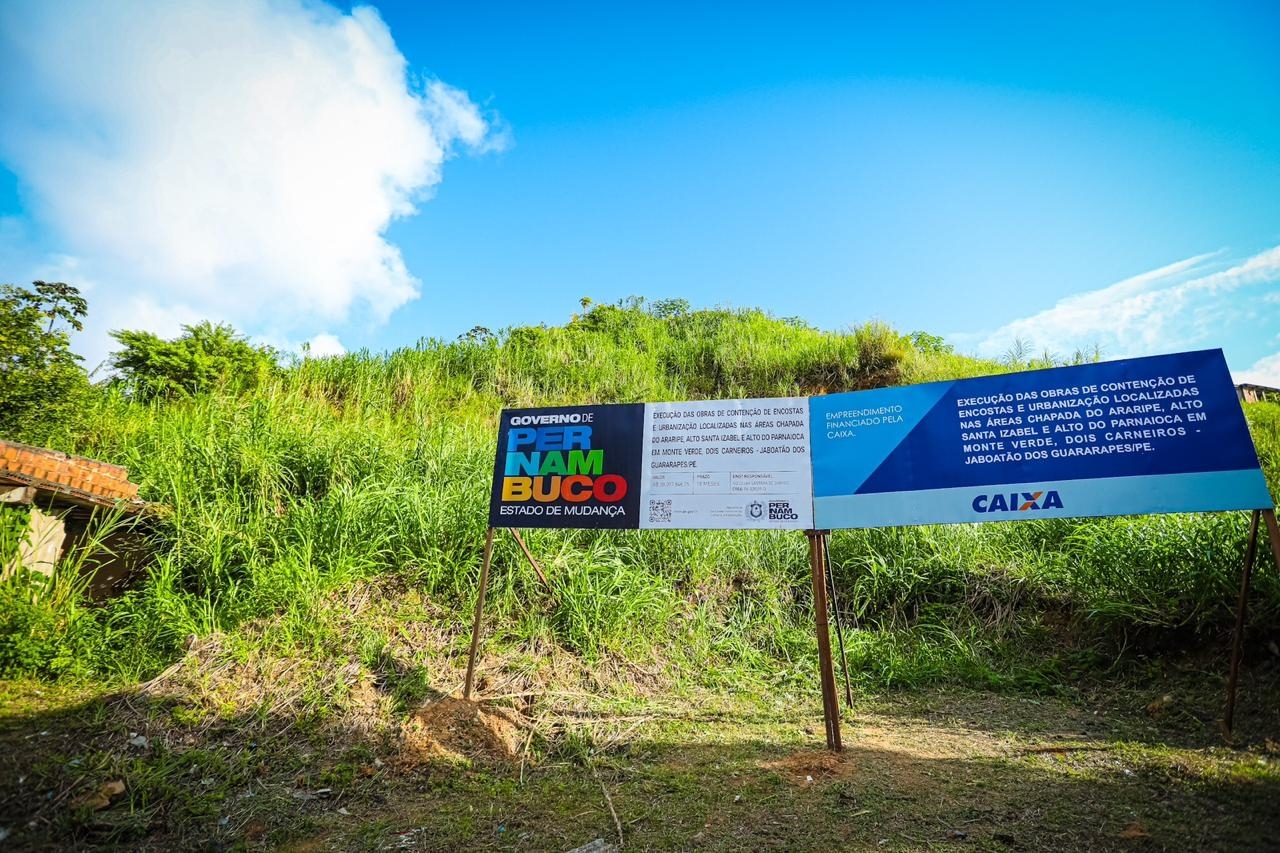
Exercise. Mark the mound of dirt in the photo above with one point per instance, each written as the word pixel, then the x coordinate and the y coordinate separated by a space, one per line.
pixel 807 767
pixel 454 729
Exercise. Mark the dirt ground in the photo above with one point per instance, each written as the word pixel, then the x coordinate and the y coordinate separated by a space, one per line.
pixel 1105 766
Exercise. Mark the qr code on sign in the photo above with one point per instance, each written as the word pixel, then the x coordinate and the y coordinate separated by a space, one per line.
pixel 659 511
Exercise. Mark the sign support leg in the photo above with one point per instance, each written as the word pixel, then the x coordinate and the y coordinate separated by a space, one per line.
pixel 1237 641
pixel 529 554
pixel 835 612
pixel 830 704
pixel 475 626
pixel 1273 533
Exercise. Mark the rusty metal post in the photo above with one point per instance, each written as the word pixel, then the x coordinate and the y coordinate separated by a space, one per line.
pixel 1273 534
pixel 475 626
pixel 1237 642
pixel 835 612
pixel 529 554
pixel 830 704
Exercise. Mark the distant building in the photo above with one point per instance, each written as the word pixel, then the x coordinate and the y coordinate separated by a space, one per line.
pixel 1257 394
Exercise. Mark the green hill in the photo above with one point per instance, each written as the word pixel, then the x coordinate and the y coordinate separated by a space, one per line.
pixel 285 674
pixel 374 468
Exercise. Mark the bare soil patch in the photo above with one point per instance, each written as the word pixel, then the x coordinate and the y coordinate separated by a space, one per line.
pixel 181 764
pixel 459 730
pixel 809 766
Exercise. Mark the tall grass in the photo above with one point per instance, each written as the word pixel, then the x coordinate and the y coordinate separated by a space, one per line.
pixel 377 467
pixel 48 627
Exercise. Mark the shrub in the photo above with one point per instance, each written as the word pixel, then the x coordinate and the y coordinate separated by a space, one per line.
pixel 204 357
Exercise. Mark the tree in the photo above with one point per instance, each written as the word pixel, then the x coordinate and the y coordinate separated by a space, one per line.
pixel 203 358
pixel 928 344
pixel 41 380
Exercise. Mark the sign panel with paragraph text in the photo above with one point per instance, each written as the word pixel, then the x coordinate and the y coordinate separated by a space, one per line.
pixel 1142 435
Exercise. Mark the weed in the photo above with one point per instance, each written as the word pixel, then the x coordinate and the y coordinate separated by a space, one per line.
pixel 369 469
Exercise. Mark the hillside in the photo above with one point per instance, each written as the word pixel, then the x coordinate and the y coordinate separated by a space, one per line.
pixel 315 554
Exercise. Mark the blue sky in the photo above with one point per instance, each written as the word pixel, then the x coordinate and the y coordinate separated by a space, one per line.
pixel 1093 175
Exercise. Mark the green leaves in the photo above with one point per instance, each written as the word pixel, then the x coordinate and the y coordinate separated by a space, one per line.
pixel 203 358
pixel 41 381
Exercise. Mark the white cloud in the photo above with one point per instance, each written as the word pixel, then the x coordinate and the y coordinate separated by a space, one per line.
pixel 1265 371
pixel 325 345
pixel 235 160
pixel 1203 302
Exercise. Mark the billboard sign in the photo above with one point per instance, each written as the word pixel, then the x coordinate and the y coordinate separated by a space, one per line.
pixel 1142 435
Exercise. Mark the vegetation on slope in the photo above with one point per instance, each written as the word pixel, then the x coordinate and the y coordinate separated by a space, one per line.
pixel 306 618
pixel 279 491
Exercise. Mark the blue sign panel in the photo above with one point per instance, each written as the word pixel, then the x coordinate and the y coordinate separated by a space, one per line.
pixel 1142 435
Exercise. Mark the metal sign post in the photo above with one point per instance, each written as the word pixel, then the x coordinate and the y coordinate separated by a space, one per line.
pixel 835 612
pixel 830 704
pixel 1237 639
pixel 475 625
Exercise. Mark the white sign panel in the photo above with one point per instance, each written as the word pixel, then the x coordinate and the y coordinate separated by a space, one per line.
pixel 727 464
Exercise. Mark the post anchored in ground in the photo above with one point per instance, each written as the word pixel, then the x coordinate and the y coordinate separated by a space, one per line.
pixel 830 703
pixel 1242 606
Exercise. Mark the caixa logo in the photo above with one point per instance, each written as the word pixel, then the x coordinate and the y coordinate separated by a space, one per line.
pixel 1017 502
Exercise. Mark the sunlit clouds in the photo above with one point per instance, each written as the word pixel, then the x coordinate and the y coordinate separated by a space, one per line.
pixel 237 160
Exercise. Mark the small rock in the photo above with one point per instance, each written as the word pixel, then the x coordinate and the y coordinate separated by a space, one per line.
pixel 344 812
pixel 139 741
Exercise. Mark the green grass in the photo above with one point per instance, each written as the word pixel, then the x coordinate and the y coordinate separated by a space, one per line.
pixel 376 467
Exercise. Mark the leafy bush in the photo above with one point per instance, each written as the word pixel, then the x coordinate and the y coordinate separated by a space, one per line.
pixel 203 358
